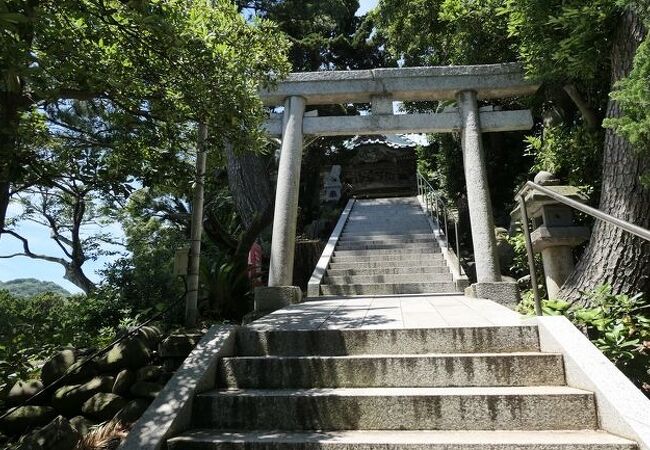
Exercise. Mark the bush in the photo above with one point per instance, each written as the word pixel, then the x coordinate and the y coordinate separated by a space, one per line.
pixel 31 329
pixel 619 325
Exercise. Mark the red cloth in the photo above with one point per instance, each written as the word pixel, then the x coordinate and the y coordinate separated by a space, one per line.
pixel 255 264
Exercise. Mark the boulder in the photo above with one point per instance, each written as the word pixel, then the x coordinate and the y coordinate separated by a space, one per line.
pixel 149 373
pixel 68 400
pixel 133 410
pixel 56 366
pixel 179 345
pixel 151 336
pixel 23 390
pixel 82 425
pixel 103 406
pixel 505 250
pixel 129 354
pixel 123 382
pixel 23 418
pixel 146 389
pixel 59 434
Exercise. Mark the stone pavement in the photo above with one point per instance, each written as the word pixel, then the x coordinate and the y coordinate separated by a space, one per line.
pixel 404 311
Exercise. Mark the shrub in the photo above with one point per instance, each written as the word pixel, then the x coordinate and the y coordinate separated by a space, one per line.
pixel 619 325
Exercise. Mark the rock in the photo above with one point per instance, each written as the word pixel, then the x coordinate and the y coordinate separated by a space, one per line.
pixel 546 179
pixel 68 400
pixel 149 373
pixel 82 425
pixel 524 282
pixel 507 279
pixel 59 434
pixel 56 366
pixel 505 250
pixel 133 410
pixel 103 406
pixel 172 364
pixel 129 354
pixel 23 418
pixel 145 389
pixel 23 390
pixel 151 336
pixel 123 382
pixel 179 345
pixel 80 372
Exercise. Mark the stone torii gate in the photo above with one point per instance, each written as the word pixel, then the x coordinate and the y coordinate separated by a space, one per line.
pixel 381 87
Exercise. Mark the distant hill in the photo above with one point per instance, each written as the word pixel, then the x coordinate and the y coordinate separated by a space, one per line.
pixel 27 287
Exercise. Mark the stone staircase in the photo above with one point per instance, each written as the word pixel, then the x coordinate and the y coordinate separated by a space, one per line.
pixel 359 389
pixel 387 247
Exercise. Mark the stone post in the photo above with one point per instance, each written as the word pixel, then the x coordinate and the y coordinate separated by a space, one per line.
pixel 286 196
pixel 555 233
pixel 478 192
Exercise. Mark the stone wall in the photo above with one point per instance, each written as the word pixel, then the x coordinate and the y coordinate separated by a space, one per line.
pixel 118 386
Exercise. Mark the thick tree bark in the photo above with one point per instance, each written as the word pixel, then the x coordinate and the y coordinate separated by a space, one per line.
pixel 9 116
pixel 613 256
pixel 250 185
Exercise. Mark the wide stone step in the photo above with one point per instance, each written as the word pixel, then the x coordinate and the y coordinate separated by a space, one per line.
pixel 388 288
pixel 382 230
pixel 435 261
pixel 413 258
pixel 354 271
pixel 466 408
pixel 456 370
pixel 420 249
pixel 390 278
pixel 251 342
pixel 404 237
pixel 207 439
pixel 387 245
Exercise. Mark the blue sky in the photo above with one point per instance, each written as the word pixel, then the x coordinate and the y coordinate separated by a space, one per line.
pixel 366 5
pixel 40 241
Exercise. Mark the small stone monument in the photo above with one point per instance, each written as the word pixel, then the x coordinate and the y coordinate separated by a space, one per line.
pixel 554 232
pixel 332 185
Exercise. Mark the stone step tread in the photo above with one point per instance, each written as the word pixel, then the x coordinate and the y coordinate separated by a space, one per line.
pixel 396 392
pixel 345 237
pixel 397 439
pixel 356 271
pixel 441 408
pixel 399 341
pixel 387 246
pixel 429 249
pixel 436 262
pixel 426 370
pixel 403 278
pixel 388 288
pixel 410 257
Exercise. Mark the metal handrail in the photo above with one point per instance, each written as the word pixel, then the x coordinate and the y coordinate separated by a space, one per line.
pixel 593 212
pixel 436 207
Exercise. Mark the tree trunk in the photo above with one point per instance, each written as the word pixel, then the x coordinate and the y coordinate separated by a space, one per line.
pixel 614 256
pixel 250 184
pixel 75 275
pixel 9 117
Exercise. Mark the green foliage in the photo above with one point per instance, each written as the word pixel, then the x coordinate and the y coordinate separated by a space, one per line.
pixel 619 325
pixel 633 96
pixel 444 31
pixel 561 40
pixel 227 287
pixel 31 329
pixel 573 154
pixel 29 287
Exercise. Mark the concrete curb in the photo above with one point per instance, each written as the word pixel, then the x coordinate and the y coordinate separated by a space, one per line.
pixel 460 278
pixel 171 411
pixel 622 409
pixel 313 287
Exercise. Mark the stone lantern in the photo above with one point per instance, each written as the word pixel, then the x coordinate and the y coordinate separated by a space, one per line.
pixel 555 233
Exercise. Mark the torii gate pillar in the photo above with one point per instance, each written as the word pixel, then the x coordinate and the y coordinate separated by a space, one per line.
pixel 478 191
pixel 286 195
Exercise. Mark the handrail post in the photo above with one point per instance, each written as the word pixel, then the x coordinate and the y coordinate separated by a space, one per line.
pixel 457 244
pixel 531 256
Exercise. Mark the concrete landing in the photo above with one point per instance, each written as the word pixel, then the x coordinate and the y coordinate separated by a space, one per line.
pixel 393 312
